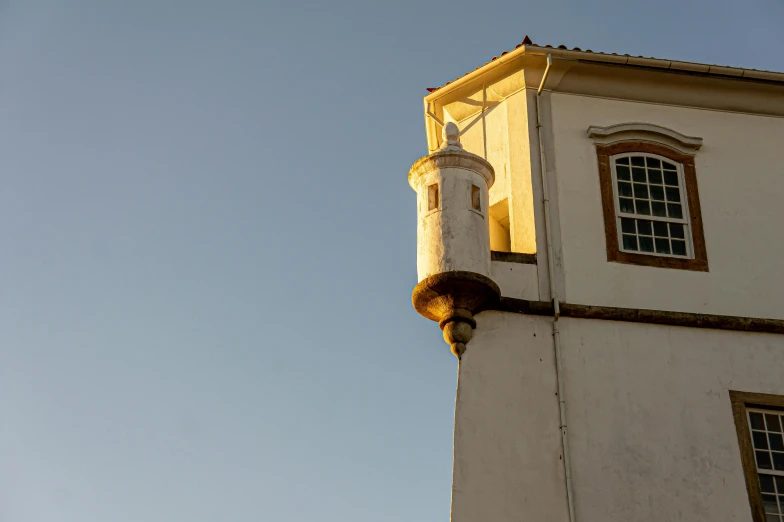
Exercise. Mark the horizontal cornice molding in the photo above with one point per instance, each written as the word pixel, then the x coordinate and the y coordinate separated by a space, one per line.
pixel 639 315
pixel 451 159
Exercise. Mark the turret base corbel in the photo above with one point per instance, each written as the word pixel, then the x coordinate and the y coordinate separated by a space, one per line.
pixel 452 299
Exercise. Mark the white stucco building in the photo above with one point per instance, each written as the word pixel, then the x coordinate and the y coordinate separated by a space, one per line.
pixel 601 238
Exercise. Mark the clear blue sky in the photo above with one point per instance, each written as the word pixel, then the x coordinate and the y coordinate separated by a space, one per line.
pixel 208 245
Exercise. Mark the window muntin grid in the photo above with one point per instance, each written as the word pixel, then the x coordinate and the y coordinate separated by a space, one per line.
pixel 767 438
pixel 650 205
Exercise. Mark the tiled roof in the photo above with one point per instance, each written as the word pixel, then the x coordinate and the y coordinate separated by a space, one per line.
pixel 633 60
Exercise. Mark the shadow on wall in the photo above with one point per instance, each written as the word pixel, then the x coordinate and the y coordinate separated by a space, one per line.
pixel 500 236
pixel 491 126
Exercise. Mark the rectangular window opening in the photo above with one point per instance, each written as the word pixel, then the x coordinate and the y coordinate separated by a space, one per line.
pixel 500 237
pixel 476 194
pixel 649 194
pixel 759 420
pixel 432 197
pixel 651 206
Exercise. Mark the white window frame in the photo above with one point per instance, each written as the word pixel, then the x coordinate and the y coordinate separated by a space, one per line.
pixel 685 221
pixel 763 411
pixel 769 472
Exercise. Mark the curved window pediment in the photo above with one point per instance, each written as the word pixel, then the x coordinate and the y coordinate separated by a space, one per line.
pixel 645 132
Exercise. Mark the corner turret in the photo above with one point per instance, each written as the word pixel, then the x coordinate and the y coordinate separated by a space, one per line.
pixel 453 238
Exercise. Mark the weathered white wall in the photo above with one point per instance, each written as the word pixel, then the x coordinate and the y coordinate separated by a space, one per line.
pixel 507 465
pixel 651 430
pixel 741 183
pixel 453 236
pixel 517 280
pixel 502 135
pixel 486 136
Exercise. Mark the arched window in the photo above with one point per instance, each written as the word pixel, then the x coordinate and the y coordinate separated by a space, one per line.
pixel 649 195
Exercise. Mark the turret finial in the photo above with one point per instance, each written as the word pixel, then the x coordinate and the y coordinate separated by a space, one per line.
pixel 451 136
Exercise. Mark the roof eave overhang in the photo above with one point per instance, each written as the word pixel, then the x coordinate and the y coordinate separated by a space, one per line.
pixel 764 94
pixel 585 56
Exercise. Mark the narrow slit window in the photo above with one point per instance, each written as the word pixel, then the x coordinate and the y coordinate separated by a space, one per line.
pixel 432 196
pixel 476 201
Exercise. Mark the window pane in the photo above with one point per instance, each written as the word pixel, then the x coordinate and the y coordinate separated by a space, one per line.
pixel 674 210
pixel 658 209
pixel 657 193
pixel 779 483
pixel 670 178
pixel 673 194
pixel 644 227
pixel 769 501
pixel 662 246
pixel 622 161
pixel 676 230
pixel 778 461
pixel 678 247
pixel 643 208
pixel 763 460
pixel 766 484
pixel 627 205
pixel 623 173
pixel 640 191
pixel 760 439
pixel 653 162
pixel 638 161
pixel 668 165
pixel 757 422
pixel 639 175
pixel 629 242
pixel 772 518
pixel 627 226
pixel 624 189
pixel 659 229
pixel 646 244
pixel 776 442
pixel 772 421
pixel 655 177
